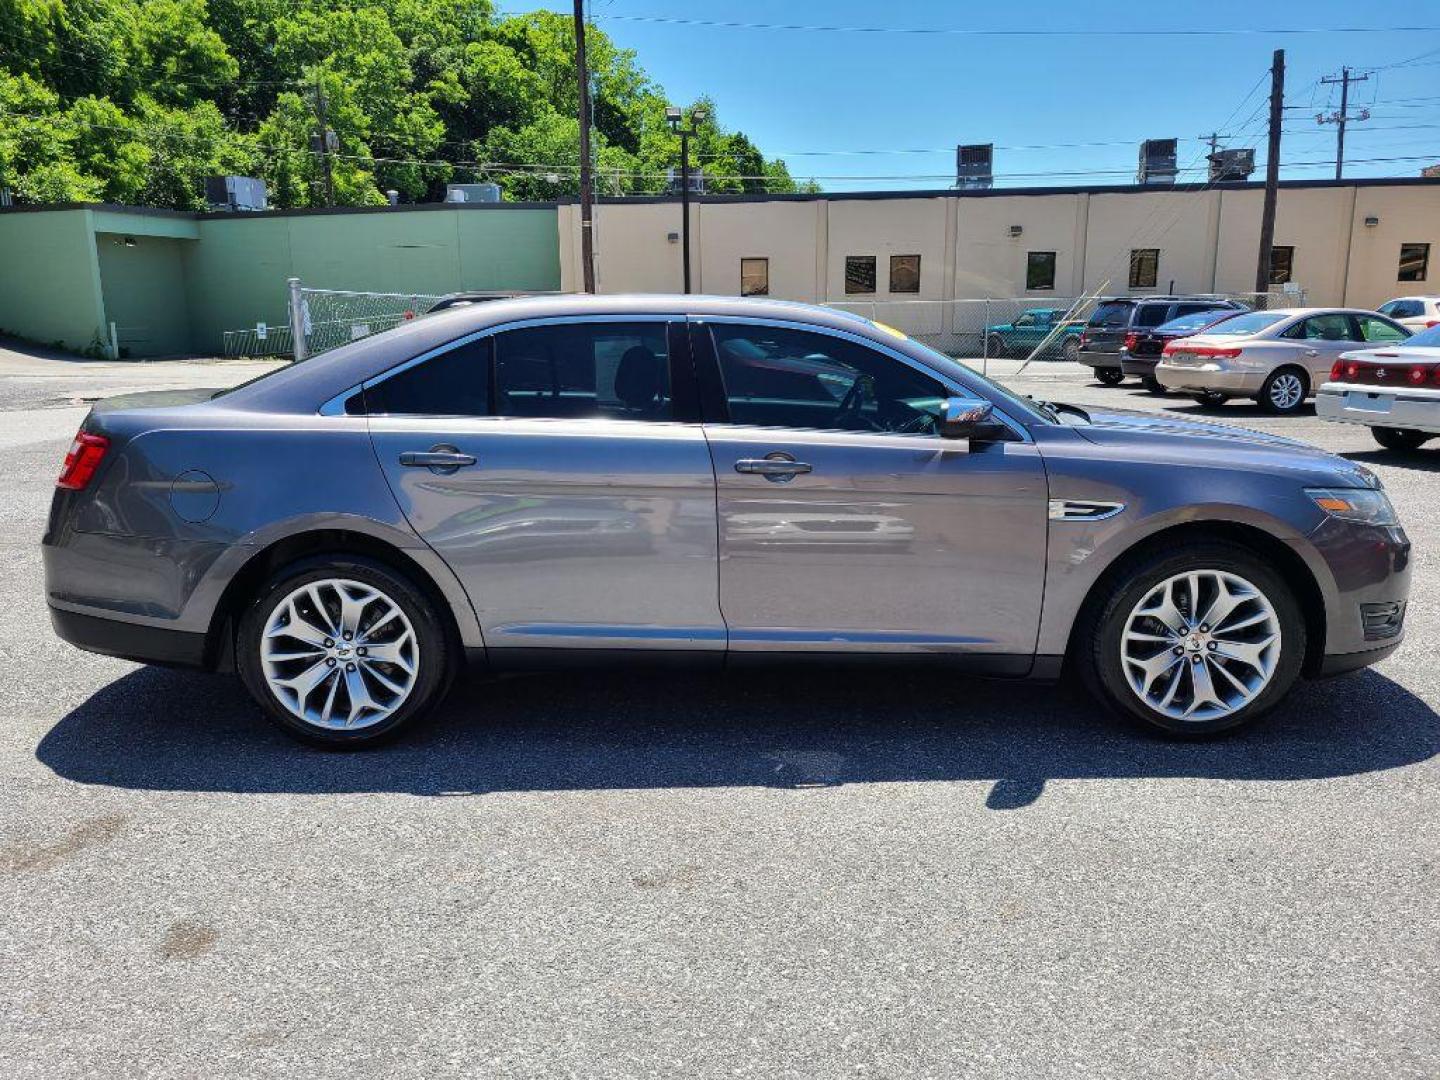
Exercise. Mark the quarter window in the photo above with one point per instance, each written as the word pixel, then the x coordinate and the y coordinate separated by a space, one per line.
pixel 859 273
pixel 570 370
pixel 1148 315
pixel 1282 264
pixel 777 377
pixel 754 277
pixel 1040 270
pixel 904 273
pixel 454 383
pixel 1144 267
pixel 1414 262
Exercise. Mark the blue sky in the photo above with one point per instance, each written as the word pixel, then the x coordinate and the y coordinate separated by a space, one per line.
pixel 816 98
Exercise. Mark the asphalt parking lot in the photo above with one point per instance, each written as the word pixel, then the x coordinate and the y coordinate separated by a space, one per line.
pixel 807 875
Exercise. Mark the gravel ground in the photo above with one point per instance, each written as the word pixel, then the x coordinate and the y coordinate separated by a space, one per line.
pixel 642 876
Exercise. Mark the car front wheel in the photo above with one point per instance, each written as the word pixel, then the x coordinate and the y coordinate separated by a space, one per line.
pixel 342 651
pixel 995 346
pixel 1399 438
pixel 1193 640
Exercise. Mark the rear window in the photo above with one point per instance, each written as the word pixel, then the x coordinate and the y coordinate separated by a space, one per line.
pixel 1195 320
pixel 1250 323
pixel 1111 315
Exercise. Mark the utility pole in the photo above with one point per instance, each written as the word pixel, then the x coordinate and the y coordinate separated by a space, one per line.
pixel 1272 172
pixel 587 193
pixel 1341 118
pixel 675 117
pixel 325 142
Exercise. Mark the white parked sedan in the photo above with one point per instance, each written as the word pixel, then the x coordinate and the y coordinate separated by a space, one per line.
pixel 1415 313
pixel 1276 357
pixel 1394 392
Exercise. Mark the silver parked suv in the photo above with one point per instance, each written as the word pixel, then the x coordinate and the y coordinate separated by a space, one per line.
pixel 719 480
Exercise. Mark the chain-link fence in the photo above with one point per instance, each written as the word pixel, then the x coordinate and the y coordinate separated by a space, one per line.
pixel 261 339
pixel 332 317
pixel 1012 327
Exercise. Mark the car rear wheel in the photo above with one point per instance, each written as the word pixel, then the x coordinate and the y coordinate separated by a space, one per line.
pixel 1211 398
pixel 1399 438
pixel 342 651
pixel 1193 641
pixel 1284 392
pixel 1110 376
pixel 1152 384
pixel 995 346
pixel 1071 350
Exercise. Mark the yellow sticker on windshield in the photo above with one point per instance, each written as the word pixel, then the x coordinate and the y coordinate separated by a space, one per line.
pixel 890 330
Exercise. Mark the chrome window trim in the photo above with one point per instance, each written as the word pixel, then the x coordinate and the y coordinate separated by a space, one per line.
pixel 960 389
pixel 336 405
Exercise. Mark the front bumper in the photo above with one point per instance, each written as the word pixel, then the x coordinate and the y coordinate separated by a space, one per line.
pixel 1209 377
pixel 1375 406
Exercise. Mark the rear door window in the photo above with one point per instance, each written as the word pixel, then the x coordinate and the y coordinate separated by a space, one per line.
pixel 1151 315
pixel 566 371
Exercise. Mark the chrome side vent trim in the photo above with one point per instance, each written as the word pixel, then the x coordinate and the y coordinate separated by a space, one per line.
pixel 1076 510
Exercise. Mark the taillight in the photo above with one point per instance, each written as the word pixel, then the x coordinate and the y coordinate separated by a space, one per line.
pixel 1084 338
pixel 1337 371
pixel 1371 374
pixel 1430 324
pixel 1130 340
pixel 81 461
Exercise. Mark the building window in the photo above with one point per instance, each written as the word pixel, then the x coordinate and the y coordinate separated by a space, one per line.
pixel 1040 270
pixel 904 273
pixel 1144 267
pixel 1414 262
pixel 1282 264
pixel 754 277
pixel 859 273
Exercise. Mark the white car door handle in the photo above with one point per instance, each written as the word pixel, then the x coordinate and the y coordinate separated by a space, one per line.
pixel 1312 352
pixel 772 468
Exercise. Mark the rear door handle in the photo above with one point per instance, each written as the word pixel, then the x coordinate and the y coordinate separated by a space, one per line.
pixel 442 458
pixel 776 468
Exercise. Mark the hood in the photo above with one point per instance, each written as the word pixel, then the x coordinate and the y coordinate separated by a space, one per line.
pixel 1168 438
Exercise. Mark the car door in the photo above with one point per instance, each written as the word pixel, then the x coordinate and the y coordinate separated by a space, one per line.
pixel 1318 340
pixel 552 465
pixel 846 524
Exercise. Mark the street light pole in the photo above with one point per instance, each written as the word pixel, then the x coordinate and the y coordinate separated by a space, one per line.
pixel 674 116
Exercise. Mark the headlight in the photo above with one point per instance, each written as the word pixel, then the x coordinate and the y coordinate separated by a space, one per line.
pixel 1364 505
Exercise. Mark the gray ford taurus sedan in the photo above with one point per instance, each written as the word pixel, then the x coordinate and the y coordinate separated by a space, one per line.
pixel 551 480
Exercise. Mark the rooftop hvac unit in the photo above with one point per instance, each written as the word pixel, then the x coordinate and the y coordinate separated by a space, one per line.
pixel 697 181
pixel 1157 162
pixel 235 192
pixel 1230 166
pixel 472 193
pixel 975 166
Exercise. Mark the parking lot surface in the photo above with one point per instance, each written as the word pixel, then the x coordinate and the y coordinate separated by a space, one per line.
pixel 639 875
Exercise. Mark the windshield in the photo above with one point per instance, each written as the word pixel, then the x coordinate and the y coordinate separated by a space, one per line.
pixel 1244 325
pixel 1429 337
pixel 1194 321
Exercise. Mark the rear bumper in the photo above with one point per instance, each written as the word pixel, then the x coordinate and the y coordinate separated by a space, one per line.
pixel 1412 410
pixel 1143 366
pixel 1091 358
pixel 129 641
pixel 1209 377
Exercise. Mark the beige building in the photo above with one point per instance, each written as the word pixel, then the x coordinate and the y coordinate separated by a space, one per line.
pixel 1357 242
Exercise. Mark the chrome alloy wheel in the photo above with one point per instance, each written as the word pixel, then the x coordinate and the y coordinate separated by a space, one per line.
pixel 1287 390
pixel 339 654
pixel 1200 645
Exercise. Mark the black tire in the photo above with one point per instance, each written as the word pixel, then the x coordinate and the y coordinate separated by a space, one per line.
pixel 1152 384
pixel 1109 376
pixel 1210 398
pixel 995 347
pixel 1399 438
pixel 1071 350
pixel 436 657
pixel 1098 633
pixel 1277 403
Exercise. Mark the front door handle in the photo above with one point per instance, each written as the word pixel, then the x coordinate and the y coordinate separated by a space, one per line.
pixel 1312 352
pixel 777 467
pixel 441 459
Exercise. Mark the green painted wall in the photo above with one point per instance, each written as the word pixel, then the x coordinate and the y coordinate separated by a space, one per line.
pixel 237 272
pixel 50 279
pixel 143 279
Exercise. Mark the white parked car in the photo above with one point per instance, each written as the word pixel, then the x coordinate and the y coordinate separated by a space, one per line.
pixel 1276 357
pixel 1414 312
pixel 1394 392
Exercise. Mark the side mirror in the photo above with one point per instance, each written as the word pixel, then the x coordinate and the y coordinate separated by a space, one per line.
pixel 965 418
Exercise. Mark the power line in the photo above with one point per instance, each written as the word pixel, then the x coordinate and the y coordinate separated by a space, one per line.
pixel 720 24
